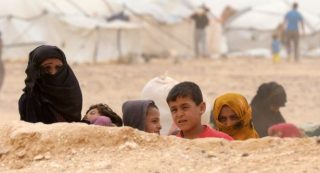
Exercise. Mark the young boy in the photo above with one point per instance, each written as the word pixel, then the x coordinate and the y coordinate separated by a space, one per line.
pixel 186 105
pixel 275 49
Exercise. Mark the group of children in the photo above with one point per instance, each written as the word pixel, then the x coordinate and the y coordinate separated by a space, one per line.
pixel 232 116
pixel 52 94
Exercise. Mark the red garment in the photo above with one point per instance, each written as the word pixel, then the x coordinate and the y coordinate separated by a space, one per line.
pixel 284 130
pixel 210 132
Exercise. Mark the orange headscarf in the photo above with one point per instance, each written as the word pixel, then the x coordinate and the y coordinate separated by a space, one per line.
pixel 242 131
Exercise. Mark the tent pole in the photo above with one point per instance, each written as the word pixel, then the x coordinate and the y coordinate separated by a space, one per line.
pixel 119 44
pixel 1 64
pixel 96 45
pixel 108 6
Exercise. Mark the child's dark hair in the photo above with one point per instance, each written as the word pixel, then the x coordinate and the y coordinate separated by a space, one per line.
pixel 105 110
pixel 186 89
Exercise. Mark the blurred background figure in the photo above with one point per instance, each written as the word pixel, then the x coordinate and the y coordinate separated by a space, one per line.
pixel 266 107
pixel 201 22
pixel 275 49
pixel 1 63
pixel 292 20
pixel 285 130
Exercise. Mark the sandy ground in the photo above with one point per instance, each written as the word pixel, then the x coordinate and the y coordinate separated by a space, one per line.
pixel 79 148
pixel 114 84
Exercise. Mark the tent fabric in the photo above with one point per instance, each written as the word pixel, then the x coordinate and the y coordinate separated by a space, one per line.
pixel 155 27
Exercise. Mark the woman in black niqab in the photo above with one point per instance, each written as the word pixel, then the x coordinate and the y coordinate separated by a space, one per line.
pixel 50 98
pixel 266 107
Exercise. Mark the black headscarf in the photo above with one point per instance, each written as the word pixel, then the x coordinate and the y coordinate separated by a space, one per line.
pixel 50 98
pixel 268 95
pixel 135 112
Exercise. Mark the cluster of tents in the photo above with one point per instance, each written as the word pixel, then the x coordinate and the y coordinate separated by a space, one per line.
pixel 104 30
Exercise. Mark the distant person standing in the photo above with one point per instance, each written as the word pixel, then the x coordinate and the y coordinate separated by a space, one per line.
pixel 201 22
pixel 275 49
pixel 292 20
pixel 1 63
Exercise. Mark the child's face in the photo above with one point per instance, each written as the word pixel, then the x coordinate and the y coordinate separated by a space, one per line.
pixel 228 117
pixel 152 121
pixel 93 114
pixel 186 114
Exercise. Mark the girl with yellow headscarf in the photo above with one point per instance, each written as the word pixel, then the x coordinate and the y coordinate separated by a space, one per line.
pixel 232 115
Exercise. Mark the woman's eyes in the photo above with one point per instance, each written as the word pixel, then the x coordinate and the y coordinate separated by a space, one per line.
pixel 46 69
pixel 222 119
pixel 58 67
pixel 234 118
pixel 50 69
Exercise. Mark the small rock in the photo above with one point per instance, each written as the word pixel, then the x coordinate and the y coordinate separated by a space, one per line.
pixel 245 155
pixel 55 165
pixel 38 157
pixel 3 151
pixel 129 145
pixel 17 165
pixel 211 154
pixel 47 156
pixel 21 154
pixel 102 165
pixel 318 141
pixel 73 151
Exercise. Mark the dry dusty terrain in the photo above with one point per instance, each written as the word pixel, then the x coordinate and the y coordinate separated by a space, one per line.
pixel 76 147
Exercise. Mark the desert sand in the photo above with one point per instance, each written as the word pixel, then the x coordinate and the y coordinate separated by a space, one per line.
pixel 76 147
pixel 79 148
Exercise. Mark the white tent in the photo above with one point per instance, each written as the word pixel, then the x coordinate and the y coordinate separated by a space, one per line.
pixel 249 31
pixel 82 37
pixel 156 26
pixel 80 28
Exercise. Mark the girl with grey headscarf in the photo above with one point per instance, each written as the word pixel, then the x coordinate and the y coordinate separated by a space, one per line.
pixel 142 115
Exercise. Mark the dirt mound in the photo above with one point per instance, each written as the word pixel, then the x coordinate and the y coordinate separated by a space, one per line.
pixel 79 147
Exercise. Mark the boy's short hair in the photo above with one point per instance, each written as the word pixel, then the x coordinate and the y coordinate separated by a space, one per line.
pixel 105 110
pixel 186 89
